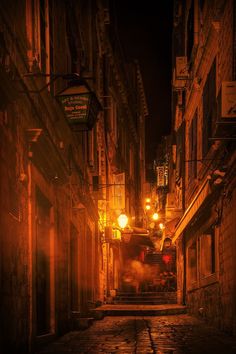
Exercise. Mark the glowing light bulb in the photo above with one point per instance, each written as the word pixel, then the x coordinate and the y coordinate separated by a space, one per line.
pixel 122 220
pixel 155 216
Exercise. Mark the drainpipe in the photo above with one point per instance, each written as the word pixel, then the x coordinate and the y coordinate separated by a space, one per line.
pixel 30 253
pixel 183 206
pixel 184 268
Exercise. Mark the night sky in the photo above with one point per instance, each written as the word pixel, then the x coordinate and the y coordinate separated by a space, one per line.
pixel 145 31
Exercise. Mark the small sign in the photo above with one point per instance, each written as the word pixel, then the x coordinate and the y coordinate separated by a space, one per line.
pixel 116 234
pixel 162 176
pixel 181 68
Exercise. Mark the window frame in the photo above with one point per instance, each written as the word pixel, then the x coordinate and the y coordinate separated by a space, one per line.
pixel 207 279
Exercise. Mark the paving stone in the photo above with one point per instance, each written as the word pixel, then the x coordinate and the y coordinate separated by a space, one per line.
pixel 179 334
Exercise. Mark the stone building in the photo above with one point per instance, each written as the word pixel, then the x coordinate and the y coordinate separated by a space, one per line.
pixel 72 148
pixel 204 117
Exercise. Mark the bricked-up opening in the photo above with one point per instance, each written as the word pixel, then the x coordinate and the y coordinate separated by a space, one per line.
pixel 42 264
pixel 207 242
pixel 192 264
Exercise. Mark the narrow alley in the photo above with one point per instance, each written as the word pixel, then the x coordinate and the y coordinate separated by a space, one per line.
pixel 117 176
pixel 174 334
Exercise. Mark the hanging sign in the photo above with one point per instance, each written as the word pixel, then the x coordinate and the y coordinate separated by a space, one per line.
pixel 76 108
pixel 162 176
pixel 80 105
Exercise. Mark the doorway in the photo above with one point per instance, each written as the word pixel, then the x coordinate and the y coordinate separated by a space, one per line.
pixel 43 283
pixel 74 268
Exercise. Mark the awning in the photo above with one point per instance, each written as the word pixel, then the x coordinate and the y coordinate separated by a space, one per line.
pixel 139 230
pixel 141 240
pixel 137 236
pixel 192 209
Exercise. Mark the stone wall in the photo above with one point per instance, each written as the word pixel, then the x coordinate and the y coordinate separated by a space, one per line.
pixel 205 303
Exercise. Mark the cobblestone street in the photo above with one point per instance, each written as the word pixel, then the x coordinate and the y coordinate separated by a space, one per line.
pixel 142 335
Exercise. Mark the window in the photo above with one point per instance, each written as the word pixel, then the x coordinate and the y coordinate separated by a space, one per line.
pixel 118 191
pixel 39 26
pixel 113 118
pixel 209 108
pixel 131 162
pixel 192 166
pixel 179 153
pixel 190 30
pixel 207 247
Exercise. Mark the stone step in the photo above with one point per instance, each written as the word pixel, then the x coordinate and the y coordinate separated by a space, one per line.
pixel 156 293
pixel 146 298
pixel 141 310
pixel 147 302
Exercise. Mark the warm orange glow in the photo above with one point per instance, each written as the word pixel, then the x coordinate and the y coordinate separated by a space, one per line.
pixel 147 203
pixel 155 216
pixel 162 226
pixel 122 220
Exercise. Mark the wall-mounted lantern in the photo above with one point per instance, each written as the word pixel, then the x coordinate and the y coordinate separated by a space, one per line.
pixel 80 104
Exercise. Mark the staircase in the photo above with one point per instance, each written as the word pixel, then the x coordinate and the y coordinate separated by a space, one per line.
pixel 143 304
pixel 145 298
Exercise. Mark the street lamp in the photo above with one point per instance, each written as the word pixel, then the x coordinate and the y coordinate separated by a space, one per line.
pixel 79 102
pixel 122 220
pixel 147 204
pixel 155 216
